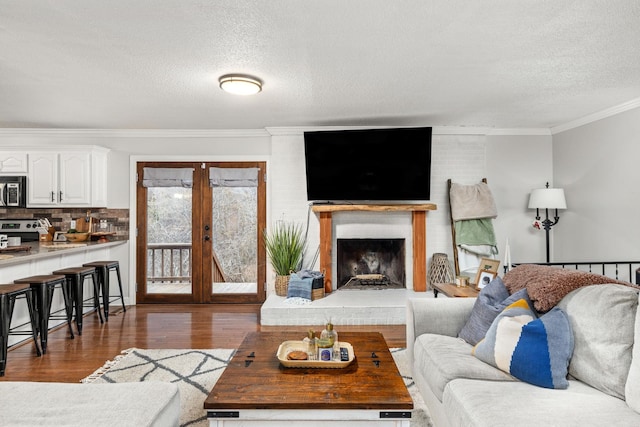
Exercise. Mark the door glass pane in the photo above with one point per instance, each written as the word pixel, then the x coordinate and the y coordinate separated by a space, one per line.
pixel 169 240
pixel 234 240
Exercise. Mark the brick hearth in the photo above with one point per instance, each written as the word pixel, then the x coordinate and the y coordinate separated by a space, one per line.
pixel 343 307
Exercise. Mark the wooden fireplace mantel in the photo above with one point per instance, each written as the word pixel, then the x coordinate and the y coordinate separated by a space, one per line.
pixel 419 226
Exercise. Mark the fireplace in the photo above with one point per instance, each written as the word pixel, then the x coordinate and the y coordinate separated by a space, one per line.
pixel 371 263
pixel 418 247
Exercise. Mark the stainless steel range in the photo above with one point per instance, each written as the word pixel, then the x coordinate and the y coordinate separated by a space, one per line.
pixel 29 230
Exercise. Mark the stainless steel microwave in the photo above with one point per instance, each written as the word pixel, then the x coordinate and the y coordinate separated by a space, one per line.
pixel 13 191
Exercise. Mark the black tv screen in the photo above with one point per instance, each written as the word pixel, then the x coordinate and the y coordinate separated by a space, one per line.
pixel 368 165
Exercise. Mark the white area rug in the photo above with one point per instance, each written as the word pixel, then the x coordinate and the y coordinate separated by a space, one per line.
pixel 196 371
pixel 420 415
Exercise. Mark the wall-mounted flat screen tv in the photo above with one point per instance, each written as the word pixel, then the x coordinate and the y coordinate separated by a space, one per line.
pixel 368 165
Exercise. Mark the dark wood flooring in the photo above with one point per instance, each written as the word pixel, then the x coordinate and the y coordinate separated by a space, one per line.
pixel 152 326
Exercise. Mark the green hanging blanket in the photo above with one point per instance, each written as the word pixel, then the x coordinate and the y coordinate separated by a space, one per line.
pixel 475 232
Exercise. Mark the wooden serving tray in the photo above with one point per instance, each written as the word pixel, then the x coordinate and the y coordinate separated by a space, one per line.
pixel 288 346
pixel 16 248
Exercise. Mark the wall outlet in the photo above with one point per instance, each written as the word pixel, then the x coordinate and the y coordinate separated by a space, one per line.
pixel 73 224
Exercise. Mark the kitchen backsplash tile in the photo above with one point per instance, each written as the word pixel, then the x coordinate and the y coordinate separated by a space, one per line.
pixel 61 218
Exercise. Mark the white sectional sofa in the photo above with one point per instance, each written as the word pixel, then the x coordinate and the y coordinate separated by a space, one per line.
pixel 603 372
pixel 140 404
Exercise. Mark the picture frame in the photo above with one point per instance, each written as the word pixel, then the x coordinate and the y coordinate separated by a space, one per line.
pixel 484 277
pixel 489 264
pixel 486 265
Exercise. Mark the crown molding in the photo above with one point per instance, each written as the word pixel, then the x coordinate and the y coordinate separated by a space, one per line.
pixel 519 132
pixel 247 133
pixel 437 130
pixel 136 133
pixel 244 133
pixel 609 112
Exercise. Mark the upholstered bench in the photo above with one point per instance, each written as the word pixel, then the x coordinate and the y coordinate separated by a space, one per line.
pixel 137 404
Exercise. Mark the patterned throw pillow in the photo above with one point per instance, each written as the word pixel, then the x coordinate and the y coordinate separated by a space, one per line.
pixel 534 350
pixel 491 300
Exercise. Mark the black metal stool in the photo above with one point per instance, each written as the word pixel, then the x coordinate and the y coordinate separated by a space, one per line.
pixel 43 286
pixel 104 268
pixel 76 277
pixel 8 296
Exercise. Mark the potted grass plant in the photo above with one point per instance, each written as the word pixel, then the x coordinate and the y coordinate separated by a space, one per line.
pixel 285 244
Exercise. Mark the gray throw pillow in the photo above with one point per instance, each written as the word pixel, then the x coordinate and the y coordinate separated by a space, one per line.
pixel 603 321
pixel 492 299
pixel 632 386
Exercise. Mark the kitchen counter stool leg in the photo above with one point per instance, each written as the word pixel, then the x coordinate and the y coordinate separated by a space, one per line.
pixel 104 269
pixel 33 317
pixel 41 294
pixel 117 268
pixel 5 322
pixel 8 296
pixel 68 302
pixel 44 286
pixel 103 275
pixel 96 294
pixel 75 282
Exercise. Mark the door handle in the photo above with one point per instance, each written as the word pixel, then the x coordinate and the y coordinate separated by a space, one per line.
pixel 207 238
pixel 206 227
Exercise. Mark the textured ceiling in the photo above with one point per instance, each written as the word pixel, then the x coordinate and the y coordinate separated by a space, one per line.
pixel 154 64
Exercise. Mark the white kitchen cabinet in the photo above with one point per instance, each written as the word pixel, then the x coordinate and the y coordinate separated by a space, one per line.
pixel 13 163
pixel 42 181
pixel 70 178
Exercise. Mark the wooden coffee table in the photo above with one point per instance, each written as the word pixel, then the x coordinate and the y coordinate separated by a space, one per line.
pixel 256 390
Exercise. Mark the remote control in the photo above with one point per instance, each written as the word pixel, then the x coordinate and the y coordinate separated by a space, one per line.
pixel 344 354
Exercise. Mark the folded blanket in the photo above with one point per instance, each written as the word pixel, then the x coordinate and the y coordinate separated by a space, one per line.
pixel 475 232
pixel 547 285
pixel 483 251
pixel 299 287
pixel 306 273
pixel 472 202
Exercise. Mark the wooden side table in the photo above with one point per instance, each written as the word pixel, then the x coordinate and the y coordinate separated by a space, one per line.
pixel 453 291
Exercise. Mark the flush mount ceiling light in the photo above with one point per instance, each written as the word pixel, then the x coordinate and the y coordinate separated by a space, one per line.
pixel 238 84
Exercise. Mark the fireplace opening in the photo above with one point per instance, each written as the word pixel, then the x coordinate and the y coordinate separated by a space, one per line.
pixel 371 263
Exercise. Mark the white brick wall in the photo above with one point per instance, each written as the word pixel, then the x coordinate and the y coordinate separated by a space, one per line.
pixel 459 157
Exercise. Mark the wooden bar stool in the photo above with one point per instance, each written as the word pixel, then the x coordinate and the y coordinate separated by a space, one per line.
pixel 76 277
pixel 8 296
pixel 43 286
pixel 104 269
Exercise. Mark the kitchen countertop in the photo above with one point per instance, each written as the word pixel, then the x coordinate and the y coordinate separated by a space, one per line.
pixel 41 250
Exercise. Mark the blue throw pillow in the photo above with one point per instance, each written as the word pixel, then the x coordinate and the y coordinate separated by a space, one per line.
pixel 533 349
pixel 491 300
pixel 299 288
